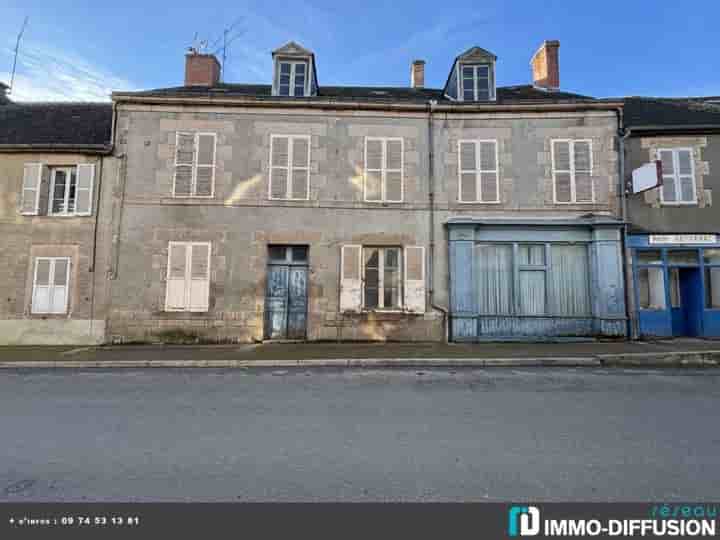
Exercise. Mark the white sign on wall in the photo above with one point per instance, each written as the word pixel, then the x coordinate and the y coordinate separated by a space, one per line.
pixel 683 238
pixel 649 176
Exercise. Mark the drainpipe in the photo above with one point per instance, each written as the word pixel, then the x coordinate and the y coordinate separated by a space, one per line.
pixel 431 199
pixel 623 134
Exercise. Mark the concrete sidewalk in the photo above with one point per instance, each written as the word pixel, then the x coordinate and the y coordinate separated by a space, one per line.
pixel 679 352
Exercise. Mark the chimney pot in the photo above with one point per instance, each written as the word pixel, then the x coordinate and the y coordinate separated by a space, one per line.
pixel 417 74
pixel 201 70
pixel 546 66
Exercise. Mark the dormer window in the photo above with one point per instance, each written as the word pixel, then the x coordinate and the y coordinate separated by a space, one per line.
pixel 293 78
pixel 476 82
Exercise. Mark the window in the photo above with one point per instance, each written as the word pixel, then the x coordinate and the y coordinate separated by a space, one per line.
pixel 290 167
pixel 188 276
pixel 383 169
pixel 476 82
pixel 478 171
pixel 31 186
pixel 71 190
pixel 679 256
pixel 678 176
pixel 651 285
pixel 50 285
pixel 572 171
pixel 533 279
pixel 288 254
pixel 712 278
pixel 382 279
pixel 292 78
pixel 194 165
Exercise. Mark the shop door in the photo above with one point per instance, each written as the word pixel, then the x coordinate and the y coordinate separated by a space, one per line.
pixel 686 293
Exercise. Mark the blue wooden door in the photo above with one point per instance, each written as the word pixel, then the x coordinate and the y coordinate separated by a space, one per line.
pixel 286 298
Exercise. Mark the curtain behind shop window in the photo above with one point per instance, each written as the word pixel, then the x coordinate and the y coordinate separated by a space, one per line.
pixel 569 280
pixel 495 279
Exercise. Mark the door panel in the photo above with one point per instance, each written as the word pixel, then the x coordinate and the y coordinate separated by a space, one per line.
pixel 692 300
pixel 286 302
pixel 297 303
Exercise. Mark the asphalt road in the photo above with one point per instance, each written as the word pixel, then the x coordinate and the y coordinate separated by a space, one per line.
pixel 524 434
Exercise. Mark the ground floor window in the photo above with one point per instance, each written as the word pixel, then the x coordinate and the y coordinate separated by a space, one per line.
pixel 50 285
pixel 651 284
pixel 533 279
pixel 382 277
pixel 712 287
pixel 188 276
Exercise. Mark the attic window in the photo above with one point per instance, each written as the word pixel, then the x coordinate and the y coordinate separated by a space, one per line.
pixel 292 78
pixel 476 82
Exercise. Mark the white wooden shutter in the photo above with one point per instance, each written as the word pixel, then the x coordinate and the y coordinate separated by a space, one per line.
pixel 415 279
pixel 84 190
pixel 562 172
pixel 184 163
pixel 30 198
pixel 41 286
pixel 199 279
pixel 489 190
pixel 467 168
pixel 394 170
pixel 279 166
pixel 350 278
pixel 686 180
pixel 205 171
pixel 582 155
pixel 373 169
pixel 175 296
pixel 60 280
pixel 300 176
pixel 668 169
pixel 50 285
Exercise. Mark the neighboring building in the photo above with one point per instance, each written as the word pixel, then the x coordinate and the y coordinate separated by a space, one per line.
pixel 53 161
pixel 673 247
pixel 294 210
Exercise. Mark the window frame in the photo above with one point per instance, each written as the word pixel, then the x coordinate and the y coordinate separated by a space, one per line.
pixel 475 66
pixel 289 168
pixel 196 153
pixel 381 278
pixel 675 151
pixel 660 265
pixel 384 170
pixel 293 64
pixel 51 284
pixel 572 171
pixel 188 275
pixel 69 170
pixel 479 171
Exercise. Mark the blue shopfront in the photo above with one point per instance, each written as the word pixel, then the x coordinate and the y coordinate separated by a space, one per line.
pixel 676 282
pixel 535 279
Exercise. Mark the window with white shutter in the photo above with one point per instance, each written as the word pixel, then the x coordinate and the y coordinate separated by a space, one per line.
pixel 384 161
pixel 572 171
pixel 30 198
pixel 188 276
pixel 194 165
pixel 289 167
pixel 51 280
pixel 678 176
pixel 478 171
pixel 71 190
pixel 382 278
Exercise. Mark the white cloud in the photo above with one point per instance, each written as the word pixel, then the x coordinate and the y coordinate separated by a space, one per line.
pixel 46 74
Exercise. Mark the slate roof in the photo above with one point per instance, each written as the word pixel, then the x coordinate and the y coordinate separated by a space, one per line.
pixel 670 112
pixel 56 125
pixel 380 94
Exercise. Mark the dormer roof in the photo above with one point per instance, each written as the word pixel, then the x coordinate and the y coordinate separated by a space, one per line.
pixel 292 49
pixel 476 54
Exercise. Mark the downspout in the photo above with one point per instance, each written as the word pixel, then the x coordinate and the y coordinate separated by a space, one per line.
pixel 623 134
pixel 431 199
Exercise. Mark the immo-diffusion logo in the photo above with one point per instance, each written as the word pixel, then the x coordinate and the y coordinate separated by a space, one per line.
pixel 523 521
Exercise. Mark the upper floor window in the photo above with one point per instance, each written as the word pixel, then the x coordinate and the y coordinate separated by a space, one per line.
pixel 69 193
pixel 383 169
pixel 194 165
pixel 678 176
pixel 290 167
pixel 478 171
pixel 572 171
pixel 292 79
pixel 476 82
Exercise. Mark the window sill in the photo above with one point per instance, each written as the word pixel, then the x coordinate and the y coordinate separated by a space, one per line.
pixel 679 203
pixel 479 202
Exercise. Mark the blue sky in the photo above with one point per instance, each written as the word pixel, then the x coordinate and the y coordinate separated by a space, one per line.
pixel 83 50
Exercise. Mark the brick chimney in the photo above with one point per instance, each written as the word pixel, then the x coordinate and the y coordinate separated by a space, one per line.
pixel 201 69
pixel 546 66
pixel 417 74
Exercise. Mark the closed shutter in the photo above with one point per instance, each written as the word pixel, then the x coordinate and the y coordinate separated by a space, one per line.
pixel 279 167
pixel 415 279
pixel 373 169
pixel 394 170
pixel 184 163
pixel 50 285
pixel 205 174
pixel 41 287
pixel 61 275
pixel 668 169
pixel 582 155
pixel 488 171
pixel 199 281
pixel 177 265
pixel 468 171
pixel 563 175
pixel 85 180
pixel 300 176
pixel 350 278
pixel 685 176
pixel 30 198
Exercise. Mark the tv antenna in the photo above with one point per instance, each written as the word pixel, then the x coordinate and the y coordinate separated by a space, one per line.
pixel 227 37
pixel 17 49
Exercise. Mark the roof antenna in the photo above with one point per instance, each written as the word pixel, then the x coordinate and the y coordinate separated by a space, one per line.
pixel 227 38
pixel 17 49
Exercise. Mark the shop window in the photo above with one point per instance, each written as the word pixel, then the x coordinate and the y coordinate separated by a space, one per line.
pixel 676 256
pixel 649 257
pixel 712 288
pixel 651 284
pixel 495 278
pixel 711 256
pixel 569 280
